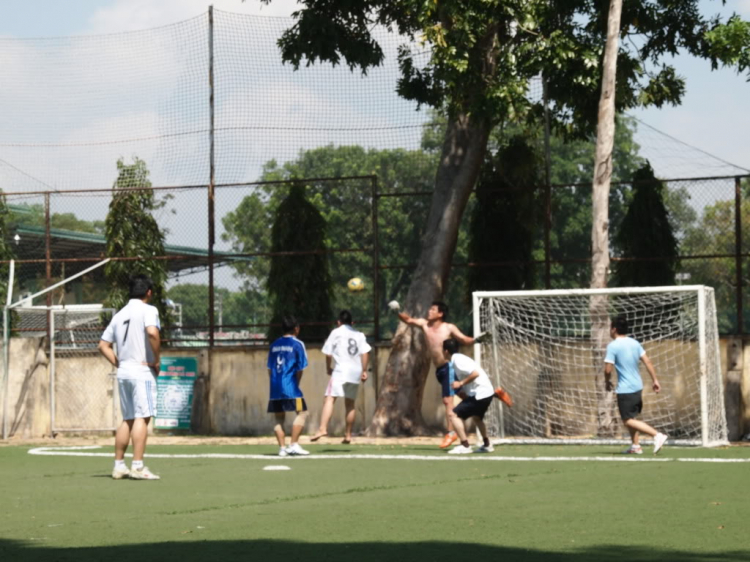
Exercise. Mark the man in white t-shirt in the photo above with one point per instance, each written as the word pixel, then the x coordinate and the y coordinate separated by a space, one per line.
pixel 475 388
pixel 351 352
pixel 134 330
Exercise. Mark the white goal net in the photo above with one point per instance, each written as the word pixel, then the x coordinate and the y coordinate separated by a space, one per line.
pixel 547 350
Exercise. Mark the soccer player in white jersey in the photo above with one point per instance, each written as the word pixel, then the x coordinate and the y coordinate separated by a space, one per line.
pixel 351 353
pixel 135 332
pixel 476 390
pixel 287 359
pixel 623 355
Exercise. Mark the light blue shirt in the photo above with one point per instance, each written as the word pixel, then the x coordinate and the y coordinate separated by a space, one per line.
pixel 625 354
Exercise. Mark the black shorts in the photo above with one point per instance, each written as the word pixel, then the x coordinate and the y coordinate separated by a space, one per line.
pixel 630 405
pixel 445 378
pixel 287 405
pixel 471 407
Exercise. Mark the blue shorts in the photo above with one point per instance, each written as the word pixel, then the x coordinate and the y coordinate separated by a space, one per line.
pixel 445 377
pixel 287 405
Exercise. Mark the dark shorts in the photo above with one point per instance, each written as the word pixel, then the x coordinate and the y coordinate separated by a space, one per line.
pixel 630 405
pixel 290 405
pixel 445 377
pixel 471 407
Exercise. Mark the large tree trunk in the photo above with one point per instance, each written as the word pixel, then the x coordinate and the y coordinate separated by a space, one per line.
pixel 605 137
pixel 398 410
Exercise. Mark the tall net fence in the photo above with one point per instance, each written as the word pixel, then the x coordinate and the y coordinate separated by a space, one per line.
pixel 80 110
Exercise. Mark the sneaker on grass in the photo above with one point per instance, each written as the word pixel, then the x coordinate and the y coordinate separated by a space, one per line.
pixel 659 441
pixel 143 474
pixel 295 449
pixel 633 450
pixel 120 473
pixel 485 449
pixel 460 450
pixel 283 452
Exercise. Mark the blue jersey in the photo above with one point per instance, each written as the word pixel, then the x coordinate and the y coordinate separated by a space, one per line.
pixel 286 357
pixel 625 354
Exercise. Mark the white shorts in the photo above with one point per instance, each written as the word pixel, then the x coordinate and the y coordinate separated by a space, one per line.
pixel 137 398
pixel 337 387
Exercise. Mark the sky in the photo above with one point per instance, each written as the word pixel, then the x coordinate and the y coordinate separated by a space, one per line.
pixel 713 116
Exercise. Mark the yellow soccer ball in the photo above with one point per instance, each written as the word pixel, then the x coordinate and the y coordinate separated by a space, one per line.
pixel 355 284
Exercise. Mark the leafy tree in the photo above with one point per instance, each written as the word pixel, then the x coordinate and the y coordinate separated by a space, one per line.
pixel 711 234
pixel 507 209
pixel 299 284
pixel 482 55
pixel 132 231
pixel 237 308
pixel 346 206
pixel 646 232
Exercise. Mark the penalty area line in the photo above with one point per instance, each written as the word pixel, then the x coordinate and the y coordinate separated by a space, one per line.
pixel 90 451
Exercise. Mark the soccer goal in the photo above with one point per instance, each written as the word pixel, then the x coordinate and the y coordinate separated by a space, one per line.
pixel 547 349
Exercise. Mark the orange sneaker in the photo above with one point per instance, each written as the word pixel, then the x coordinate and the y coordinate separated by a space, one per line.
pixel 503 396
pixel 448 440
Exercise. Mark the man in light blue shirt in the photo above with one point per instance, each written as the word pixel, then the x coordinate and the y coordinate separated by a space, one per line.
pixel 623 355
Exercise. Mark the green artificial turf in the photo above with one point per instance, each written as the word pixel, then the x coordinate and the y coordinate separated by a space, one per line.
pixel 68 508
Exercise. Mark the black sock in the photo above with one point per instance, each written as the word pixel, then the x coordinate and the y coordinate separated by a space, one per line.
pixel 486 441
pixel 465 443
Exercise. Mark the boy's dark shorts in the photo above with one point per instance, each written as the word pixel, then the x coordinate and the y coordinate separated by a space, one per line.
pixel 443 374
pixel 630 405
pixel 288 405
pixel 471 407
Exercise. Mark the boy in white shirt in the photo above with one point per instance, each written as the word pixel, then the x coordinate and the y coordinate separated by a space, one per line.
pixel 135 331
pixel 351 352
pixel 476 391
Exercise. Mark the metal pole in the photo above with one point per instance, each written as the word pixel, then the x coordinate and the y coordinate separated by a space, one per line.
pixel 47 259
pixel 547 190
pixel 738 252
pixel 52 376
pixel 6 369
pixel 211 179
pixel 375 258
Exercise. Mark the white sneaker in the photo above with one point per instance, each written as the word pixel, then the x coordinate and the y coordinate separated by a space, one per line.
pixel 283 452
pixel 633 450
pixel 659 441
pixel 143 474
pixel 120 473
pixel 485 449
pixel 460 450
pixel 295 449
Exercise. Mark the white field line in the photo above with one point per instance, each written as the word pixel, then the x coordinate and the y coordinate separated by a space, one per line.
pixel 88 452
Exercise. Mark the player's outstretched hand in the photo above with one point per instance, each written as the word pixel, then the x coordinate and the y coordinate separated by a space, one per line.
pixel 483 337
pixel 394 306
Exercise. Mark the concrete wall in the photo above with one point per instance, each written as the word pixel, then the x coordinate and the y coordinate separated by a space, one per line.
pixel 233 400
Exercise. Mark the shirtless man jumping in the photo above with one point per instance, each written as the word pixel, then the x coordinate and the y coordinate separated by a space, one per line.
pixel 437 330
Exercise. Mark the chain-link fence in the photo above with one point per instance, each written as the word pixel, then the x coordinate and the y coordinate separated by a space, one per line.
pixel 205 114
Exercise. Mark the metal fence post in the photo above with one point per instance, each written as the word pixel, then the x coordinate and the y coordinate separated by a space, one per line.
pixel 738 252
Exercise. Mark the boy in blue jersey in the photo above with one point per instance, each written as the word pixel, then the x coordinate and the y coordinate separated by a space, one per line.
pixel 287 359
pixel 623 355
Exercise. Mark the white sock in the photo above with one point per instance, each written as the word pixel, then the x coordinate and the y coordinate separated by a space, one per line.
pixel 119 464
pixel 137 465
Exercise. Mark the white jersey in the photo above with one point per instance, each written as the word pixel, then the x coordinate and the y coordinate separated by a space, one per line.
pixel 347 346
pixel 127 331
pixel 481 387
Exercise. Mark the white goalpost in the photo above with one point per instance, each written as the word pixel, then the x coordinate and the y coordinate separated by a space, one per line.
pixel 547 350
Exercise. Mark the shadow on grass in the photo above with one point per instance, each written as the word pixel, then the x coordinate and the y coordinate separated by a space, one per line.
pixel 188 551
